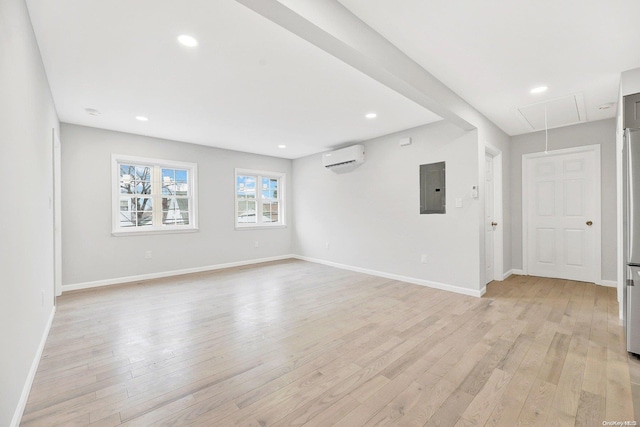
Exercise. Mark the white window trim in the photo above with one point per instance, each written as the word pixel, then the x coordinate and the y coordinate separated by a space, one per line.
pixel 282 177
pixel 116 230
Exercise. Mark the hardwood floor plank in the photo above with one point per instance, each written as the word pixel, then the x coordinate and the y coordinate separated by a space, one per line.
pixel 486 399
pixel 297 343
pixel 537 406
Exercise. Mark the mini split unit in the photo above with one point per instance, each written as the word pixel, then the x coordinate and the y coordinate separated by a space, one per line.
pixel 346 156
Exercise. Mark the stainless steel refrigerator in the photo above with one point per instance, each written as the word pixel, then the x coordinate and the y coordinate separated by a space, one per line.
pixel 631 185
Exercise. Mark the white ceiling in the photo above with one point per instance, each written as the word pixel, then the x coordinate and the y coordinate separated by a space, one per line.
pixel 251 85
pixel 492 52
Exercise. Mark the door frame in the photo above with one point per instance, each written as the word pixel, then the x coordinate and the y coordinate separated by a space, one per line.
pixel 498 234
pixel 597 218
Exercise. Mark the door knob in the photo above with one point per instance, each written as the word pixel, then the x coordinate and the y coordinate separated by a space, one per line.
pixel 493 224
pixel 589 223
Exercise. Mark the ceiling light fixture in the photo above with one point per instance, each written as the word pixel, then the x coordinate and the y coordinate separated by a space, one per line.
pixel 282 146
pixel 539 89
pixel 92 111
pixel 187 41
pixel 371 115
pixel 142 118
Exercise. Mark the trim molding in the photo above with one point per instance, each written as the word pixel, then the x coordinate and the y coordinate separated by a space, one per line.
pixel 421 282
pixel 22 403
pixel 138 278
pixel 608 283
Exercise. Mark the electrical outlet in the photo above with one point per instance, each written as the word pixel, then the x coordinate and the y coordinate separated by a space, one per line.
pixel 327 245
pixel 423 259
pixel 147 255
pixel 256 244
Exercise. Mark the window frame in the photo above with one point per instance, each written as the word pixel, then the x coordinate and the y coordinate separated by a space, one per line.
pixel 156 183
pixel 281 199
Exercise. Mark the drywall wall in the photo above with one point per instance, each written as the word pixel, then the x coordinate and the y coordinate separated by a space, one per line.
pixel 332 27
pixel 370 217
pixel 603 133
pixel 89 251
pixel 27 117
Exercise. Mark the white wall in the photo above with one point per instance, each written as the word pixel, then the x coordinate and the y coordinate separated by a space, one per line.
pixel 371 216
pixel 91 253
pixel 603 133
pixel 27 117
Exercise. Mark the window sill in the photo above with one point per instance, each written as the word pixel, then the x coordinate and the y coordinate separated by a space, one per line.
pixel 152 232
pixel 259 227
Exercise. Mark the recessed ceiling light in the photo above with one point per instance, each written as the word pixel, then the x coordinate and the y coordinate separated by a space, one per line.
pixel 187 41
pixel 539 89
pixel 142 118
pixel 282 146
pixel 92 111
pixel 606 106
pixel 371 115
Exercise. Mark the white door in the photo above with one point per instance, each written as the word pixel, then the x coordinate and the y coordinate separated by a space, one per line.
pixel 489 223
pixel 562 202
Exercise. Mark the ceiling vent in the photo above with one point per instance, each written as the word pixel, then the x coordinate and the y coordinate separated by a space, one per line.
pixel 567 110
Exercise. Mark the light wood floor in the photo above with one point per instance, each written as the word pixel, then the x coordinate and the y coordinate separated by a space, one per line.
pixel 296 343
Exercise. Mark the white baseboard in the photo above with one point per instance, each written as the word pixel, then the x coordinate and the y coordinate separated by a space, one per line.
pixel 512 272
pixel 22 403
pixel 415 281
pixel 119 280
pixel 608 283
pixel 129 279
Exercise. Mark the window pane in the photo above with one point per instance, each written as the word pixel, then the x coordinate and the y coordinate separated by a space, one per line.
pixel 168 189
pixel 143 204
pixel 127 170
pixel 143 187
pixel 127 217
pixel 246 186
pixel 182 189
pixel 269 188
pixel 175 211
pixel 247 212
pixel 144 218
pixel 270 212
pixel 126 187
pixel 181 175
pixel 183 204
pixel 126 204
pixel 127 173
pixel 168 175
pixel 143 173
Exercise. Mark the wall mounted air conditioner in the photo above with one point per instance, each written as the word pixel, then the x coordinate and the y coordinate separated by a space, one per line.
pixel 346 156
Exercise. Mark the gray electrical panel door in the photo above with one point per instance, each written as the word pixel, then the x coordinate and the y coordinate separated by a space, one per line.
pixel 432 188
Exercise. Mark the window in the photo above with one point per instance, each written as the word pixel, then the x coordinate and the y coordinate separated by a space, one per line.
pixel 259 199
pixel 151 195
